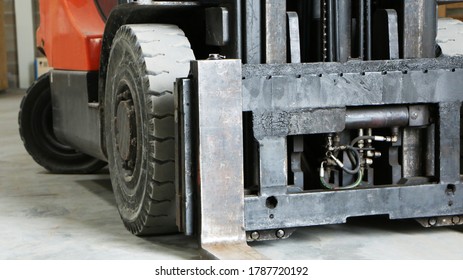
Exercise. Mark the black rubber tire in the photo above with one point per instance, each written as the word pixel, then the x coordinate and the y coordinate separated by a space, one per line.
pixel 144 62
pixel 36 130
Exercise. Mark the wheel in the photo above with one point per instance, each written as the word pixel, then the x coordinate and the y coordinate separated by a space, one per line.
pixel 36 130
pixel 144 62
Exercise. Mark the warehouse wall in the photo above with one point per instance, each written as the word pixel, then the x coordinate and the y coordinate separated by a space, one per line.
pixel 3 69
pixel 452 10
pixel 10 37
pixel 10 42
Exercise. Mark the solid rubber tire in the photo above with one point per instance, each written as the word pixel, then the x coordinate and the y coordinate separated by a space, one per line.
pixel 146 59
pixel 36 131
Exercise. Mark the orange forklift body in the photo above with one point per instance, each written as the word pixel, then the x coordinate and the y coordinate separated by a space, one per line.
pixel 70 34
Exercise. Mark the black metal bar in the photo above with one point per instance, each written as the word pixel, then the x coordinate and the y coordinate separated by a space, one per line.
pixel 361 28
pixel 298 162
pixel 76 122
pixel 377 117
pixel 294 40
pixel 361 67
pixel 316 40
pixel 334 207
pixel 419 28
pixel 362 83
pixel 185 173
pixel 331 31
pixel 286 121
pixel 273 166
pixel 343 30
pixel 385 35
pixel 448 143
pixel 253 37
pixel 413 152
pixel 220 159
pixel 275 31
pixel 368 19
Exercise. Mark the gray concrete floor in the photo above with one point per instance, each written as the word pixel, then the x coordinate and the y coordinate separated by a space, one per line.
pixel 47 216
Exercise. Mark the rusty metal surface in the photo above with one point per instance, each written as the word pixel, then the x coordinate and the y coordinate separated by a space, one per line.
pixel 294 40
pixel 386 116
pixel 252 53
pixel 321 85
pixel 419 28
pixel 298 122
pixel 448 143
pixel 441 221
pixel 343 29
pixel 184 163
pixel 275 31
pixel 219 149
pixel 230 251
pixel 273 166
pixel 334 207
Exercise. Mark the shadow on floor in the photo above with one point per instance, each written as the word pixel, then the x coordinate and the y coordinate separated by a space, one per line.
pixel 405 226
pixel 175 244
pixel 101 188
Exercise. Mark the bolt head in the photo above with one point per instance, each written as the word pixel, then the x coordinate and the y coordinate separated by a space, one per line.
pixel 255 235
pixel 432 221
pixel 215 56
pixel 455 220
pixel 280 233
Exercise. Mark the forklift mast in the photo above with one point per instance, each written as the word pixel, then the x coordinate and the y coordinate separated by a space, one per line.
pixel 241 121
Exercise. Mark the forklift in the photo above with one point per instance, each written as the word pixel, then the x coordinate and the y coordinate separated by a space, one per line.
pixel 243 120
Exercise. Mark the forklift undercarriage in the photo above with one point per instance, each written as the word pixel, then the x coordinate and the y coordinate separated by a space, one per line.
pixel 305 113
pixel 410 154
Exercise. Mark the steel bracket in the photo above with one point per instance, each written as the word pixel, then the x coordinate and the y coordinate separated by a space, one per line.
pixel 217 112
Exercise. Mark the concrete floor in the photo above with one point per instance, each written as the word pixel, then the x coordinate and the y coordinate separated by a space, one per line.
pixel 47 216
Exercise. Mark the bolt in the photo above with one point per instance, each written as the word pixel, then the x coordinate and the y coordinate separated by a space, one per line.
pixel 374 154
pixel 432 221
pixel 455 220
pixel 215 56
pixel 414 115
pixel 255 235
pixel 126 94
pixel 280 233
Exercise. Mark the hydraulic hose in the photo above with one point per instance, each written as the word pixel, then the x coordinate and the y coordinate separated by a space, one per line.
pixel 329 186
pixel 354 157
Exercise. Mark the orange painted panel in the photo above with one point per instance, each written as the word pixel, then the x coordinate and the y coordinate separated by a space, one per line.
pixel 70 33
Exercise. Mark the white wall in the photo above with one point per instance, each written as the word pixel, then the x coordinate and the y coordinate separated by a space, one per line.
pixel 25 41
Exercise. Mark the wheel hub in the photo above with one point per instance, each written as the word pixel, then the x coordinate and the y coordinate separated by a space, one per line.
pixel 126 131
